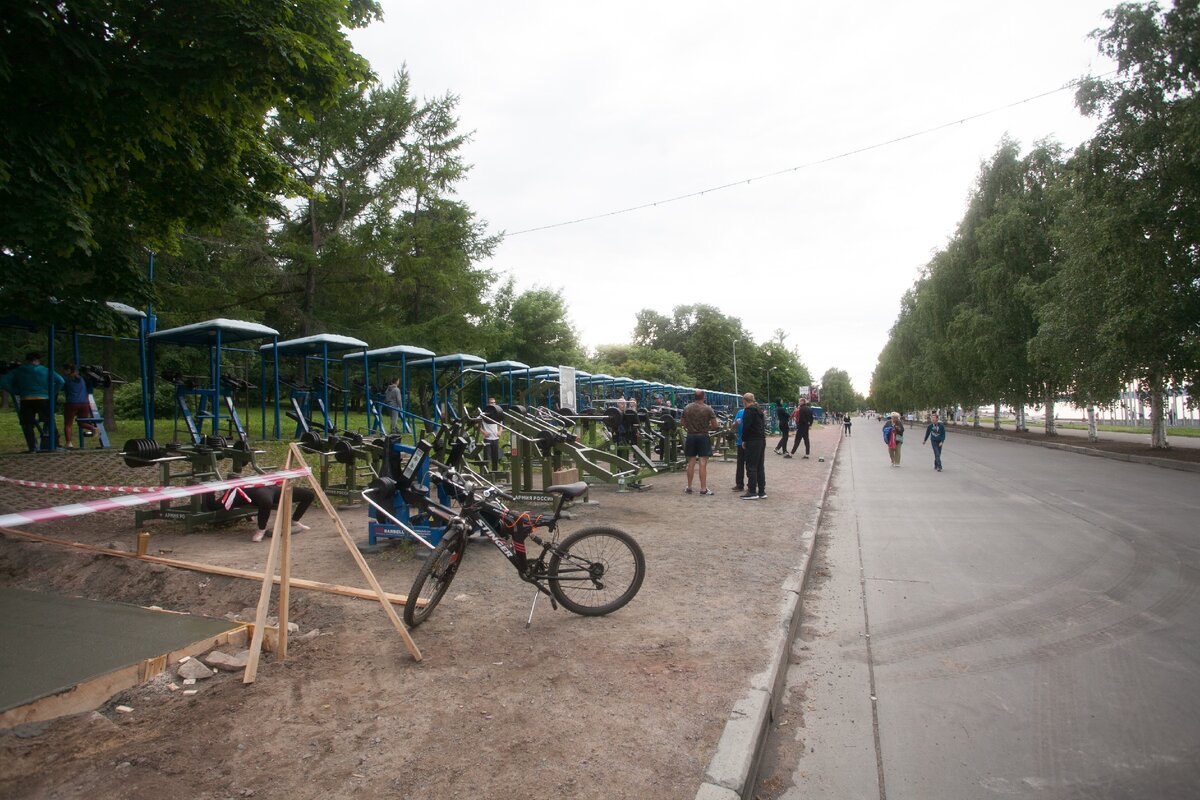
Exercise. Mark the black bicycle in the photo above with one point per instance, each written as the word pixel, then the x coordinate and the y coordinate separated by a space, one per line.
pixel 593 571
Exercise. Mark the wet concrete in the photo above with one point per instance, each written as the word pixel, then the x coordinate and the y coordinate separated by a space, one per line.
pixel 49 643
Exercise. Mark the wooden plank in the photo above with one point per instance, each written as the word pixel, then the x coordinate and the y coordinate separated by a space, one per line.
pixel 211 569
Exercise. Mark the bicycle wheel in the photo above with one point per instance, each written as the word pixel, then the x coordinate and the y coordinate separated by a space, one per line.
pixel 434 577
pixel 595 571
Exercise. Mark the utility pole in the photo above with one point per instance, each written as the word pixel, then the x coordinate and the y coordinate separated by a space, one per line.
pixel 735 383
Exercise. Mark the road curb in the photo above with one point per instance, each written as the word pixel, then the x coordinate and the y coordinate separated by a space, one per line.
pixel 1165 463
pixel 734 766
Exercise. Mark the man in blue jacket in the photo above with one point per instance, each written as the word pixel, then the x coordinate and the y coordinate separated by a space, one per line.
pixel 935 434
pixel 30 385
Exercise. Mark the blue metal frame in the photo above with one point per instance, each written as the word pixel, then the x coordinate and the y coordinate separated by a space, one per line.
pixel 216 334
pixel 458 361
pixel 319 346
pixel 385 357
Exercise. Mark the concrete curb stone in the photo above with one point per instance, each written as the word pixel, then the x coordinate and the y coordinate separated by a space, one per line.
pixel 734 766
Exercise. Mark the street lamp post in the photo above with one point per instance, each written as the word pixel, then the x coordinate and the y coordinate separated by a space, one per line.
pixel 769 370
pixel 735 382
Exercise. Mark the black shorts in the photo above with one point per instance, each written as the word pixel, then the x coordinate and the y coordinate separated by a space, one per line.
pixel 697 444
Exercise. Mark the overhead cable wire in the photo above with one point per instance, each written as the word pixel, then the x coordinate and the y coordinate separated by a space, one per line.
pixel 846 154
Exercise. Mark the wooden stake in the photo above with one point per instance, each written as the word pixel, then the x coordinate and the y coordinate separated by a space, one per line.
pixel 284 521
pixel 413 650
pixel 264 604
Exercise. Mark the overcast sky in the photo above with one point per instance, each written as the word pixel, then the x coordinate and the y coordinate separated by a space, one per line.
pixel 578 110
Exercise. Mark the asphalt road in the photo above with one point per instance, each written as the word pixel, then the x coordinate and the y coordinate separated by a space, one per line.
pixel 1024 624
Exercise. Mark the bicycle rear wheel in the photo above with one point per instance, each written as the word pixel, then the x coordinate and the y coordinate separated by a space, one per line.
pixel 434 577
pixel 595 571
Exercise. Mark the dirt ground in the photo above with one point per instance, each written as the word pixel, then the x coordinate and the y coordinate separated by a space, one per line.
pixel 625 706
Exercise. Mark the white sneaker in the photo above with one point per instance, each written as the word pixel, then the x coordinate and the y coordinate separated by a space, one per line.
pixel 299 527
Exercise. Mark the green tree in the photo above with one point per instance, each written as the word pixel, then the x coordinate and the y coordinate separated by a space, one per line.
pixel 532 327
pixel 837 394
pixel 1132 223
pixel 641 363
pixel 129 122
pixel 344 157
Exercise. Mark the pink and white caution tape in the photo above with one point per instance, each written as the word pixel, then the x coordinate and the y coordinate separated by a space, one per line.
pixel 158 494
pixel 81 487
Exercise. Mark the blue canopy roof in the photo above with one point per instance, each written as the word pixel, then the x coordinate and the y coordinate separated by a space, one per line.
pixel 399 350
pixel 320 344
pixel 228 330
pixel 458 358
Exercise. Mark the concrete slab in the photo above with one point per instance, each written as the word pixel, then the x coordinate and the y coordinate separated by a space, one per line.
pixel 53 644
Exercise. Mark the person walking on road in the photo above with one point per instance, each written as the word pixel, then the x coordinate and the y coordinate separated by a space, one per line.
pixel 698 419
pixel 784 418
pixel 803 417
pixel 935 434
pixel 754 445
pixel 893 437
pixel 846 423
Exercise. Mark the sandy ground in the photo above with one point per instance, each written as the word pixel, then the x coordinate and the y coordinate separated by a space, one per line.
pixel 625 706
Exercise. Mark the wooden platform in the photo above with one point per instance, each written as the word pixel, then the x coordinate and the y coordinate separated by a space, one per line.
pixel 63 655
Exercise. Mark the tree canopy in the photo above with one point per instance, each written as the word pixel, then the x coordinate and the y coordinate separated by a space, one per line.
pixel 1074 276
pixel 128 122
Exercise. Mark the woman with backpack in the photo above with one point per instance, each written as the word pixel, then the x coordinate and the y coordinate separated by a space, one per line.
pixel 893 437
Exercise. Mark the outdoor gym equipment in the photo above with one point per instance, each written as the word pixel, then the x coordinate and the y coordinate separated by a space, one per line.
pixel 202 464
pixel 216 335
pixel 310 393
pixel 544 436
pixel 449 375
pixel 403 483
pixel 390 361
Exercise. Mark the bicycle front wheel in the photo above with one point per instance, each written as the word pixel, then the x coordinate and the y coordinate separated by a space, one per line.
pixel 595 571
pixel 434 577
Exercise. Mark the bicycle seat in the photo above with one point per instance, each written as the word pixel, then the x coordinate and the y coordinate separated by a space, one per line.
pixel 571 490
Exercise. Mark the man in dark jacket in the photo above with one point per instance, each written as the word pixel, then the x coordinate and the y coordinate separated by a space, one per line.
pixel 754 446
pixel 804 419
pixel 783 416
pixel 935 434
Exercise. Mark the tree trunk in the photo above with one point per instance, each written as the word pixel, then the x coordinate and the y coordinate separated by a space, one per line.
pixel 1019 418
pixel 1051 423
pixel 1093 436
pixel 1158 428
pixel 975 417
pixel 996 416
